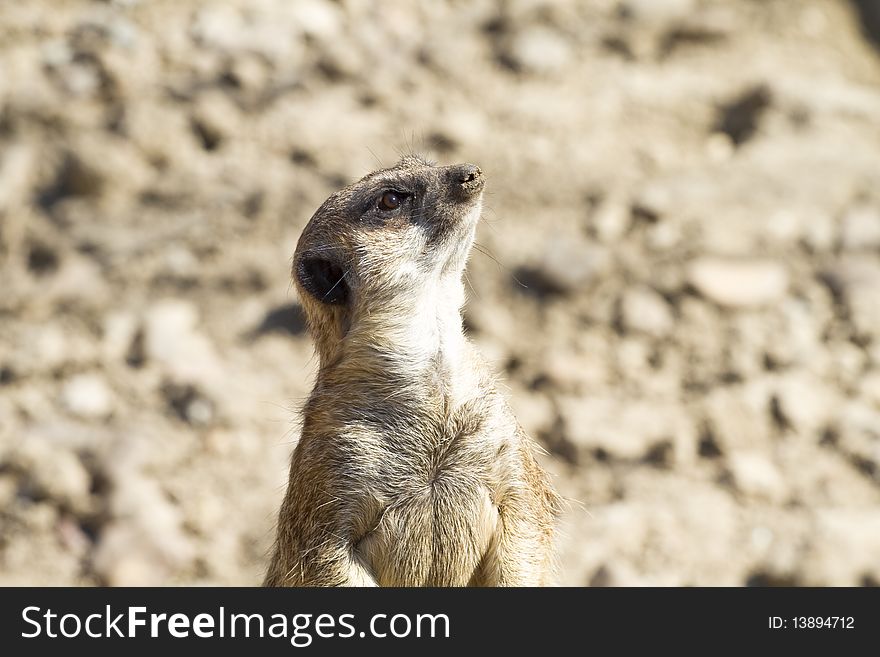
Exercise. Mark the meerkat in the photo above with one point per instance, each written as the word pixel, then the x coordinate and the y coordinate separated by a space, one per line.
pixel 411 469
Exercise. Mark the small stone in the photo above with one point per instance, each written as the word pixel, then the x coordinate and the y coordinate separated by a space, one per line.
pixel 870 387
pixel 644 311
pixel 859 281
pixel 755 475
pixel 145 543
pixel 318 18
pixel 539 50
pixel 215 118
pixel 87 396
pixel 656 11
pixel 858 435
pixel 172 339
pixel 845 548
pixel 806 403
pixel 119 331
pixel 189 404
pixel 860 228
pixel 719 147
pixel 8 489
pixel 739 284
pixel 53 472
pixel 566 266
pixel 168 325
pixel 51 345
pixel 738 416
pixel 79 279
pixel 611 220
pixel 623 429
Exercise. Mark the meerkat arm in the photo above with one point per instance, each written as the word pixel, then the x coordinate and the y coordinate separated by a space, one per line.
pixel 313 546
pixel 521 552
pixel 329 562
pixel 517 555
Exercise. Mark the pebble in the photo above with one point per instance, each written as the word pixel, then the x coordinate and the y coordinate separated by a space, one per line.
pixel 624 429
pixel 53 472
pixel 860 228
pixel 657 11
pixel 539 50
pixel 859 280
pixel 567 265
pixel 738 283
pixel 87 396
pixel 144 544
pixel 755 475
pixel 806 402
pixel 119 331
pixel 172 339
pixel 644 311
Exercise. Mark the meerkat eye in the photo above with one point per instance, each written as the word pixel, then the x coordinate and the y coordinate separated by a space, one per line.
pixel 390 201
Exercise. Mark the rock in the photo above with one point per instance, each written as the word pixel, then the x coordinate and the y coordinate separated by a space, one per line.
pixel 844 549
pixel 538 50
pixel 119 331
pixel 858 281
pixel 81 280
pixel 615 573
pixel 172 339
pixel 565 267
pixel 611 220
pixel 858 436
pixel 622 428
pixel 860 228
pixel 319 19
pixel 145 543
pixel 53 472
pixel 88 396
pixel 738 283
pixel 18 167
pixel 189 404
pixel 656 11
pixel 738 416
pixel 215 119
pixel 755 475
pixel 644 311
pixel 806 403
pixel 50 347
pixel 870 387
pixel 169 325
pixel 8 490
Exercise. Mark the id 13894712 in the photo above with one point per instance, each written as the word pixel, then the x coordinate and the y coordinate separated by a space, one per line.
pixel 811 623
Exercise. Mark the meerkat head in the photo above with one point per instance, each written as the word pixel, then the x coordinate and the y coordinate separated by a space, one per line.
pixel 379 243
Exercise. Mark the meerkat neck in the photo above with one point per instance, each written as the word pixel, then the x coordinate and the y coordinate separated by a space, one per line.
pixel 418 341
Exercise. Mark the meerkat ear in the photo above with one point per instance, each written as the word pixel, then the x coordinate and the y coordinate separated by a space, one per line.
pixel 323 279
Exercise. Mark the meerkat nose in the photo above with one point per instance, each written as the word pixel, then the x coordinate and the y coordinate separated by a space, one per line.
pixel 467 177
pixel 468 173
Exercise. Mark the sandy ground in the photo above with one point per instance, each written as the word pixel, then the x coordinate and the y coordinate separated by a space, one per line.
pixel 678 274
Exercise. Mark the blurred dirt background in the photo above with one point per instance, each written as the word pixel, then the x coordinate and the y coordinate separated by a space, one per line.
pixel 680 284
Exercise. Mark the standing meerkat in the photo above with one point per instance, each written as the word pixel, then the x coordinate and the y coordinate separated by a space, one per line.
pixel 411 469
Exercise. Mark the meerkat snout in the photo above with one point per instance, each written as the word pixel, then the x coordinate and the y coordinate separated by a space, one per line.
pixel 467 179
pixel 411 469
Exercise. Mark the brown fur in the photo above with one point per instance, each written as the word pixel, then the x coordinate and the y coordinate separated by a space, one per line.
pixel 411 469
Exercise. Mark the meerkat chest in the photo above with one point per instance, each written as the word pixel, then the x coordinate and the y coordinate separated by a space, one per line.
pixel 435 512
